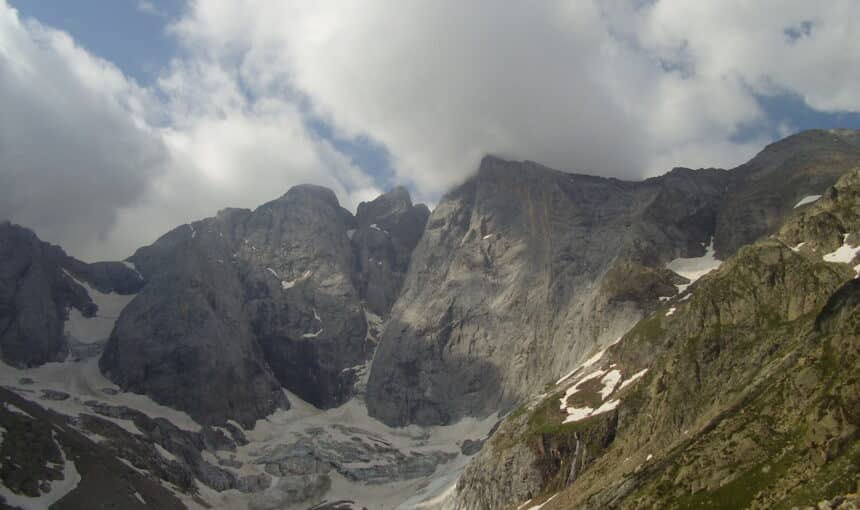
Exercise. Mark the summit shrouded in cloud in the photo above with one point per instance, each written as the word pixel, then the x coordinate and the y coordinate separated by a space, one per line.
pixel 253 97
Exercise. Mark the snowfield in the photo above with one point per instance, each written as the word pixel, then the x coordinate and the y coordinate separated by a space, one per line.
pixel 695 267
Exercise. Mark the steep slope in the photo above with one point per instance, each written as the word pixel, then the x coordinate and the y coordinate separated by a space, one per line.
pixel 245 303
pixel 39 287
pixel 387 231
pixel 521 271
pixel 742 393
pixel 762 192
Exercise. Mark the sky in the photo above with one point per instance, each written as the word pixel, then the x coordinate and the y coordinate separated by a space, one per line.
pixel 121 120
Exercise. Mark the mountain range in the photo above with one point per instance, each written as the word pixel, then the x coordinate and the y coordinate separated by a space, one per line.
pixel 541 339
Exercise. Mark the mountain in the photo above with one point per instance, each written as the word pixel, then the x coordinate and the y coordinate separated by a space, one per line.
pixel 243 304
pixel 687 341
pixel 523 270
pixel 742 393
pixel 40 286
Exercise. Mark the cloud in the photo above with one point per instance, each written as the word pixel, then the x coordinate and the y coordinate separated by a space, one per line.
pixel 613 88
pixel 75 141
pixel 623 88
pixel 147 7
pixel 101 166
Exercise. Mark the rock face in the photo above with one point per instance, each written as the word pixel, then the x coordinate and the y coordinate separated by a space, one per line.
pixel 245 303
pixel 746 395
pixel 520 272
pixel 387 231
pixel 523 270
pixel 762 192
pixel 37 290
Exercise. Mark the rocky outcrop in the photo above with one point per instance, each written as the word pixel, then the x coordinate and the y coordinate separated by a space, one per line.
pixel 523 270
pixel 243 304
pixel 386 232
pixel 516 278
pixel 38 287
pixel 764 191
pixel 746 396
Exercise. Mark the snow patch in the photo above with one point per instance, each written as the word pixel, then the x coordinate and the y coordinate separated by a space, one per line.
pixel 83 381
pixel 695 267
pixel 845 254
pixel 633 378
pixel 90 330
pixel 350 234
pixel 538 507
pixel 610 381
pixel 164 453
pixel 289 284
pixel 807 200
pixel 587 363
pixel 487 237
pixel 671 311
pixel 12 408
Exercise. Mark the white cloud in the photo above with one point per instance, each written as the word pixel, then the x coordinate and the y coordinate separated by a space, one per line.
pixel 74 138
pixel 578 85
pixel 97 164
pixel 626 88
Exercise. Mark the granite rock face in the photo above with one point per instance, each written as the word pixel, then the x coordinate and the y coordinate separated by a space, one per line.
pixel 519 274
pixel 245 303
pixel 38 287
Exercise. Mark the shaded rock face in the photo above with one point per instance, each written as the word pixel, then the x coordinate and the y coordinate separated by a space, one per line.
pixel 762 192
pixel 245 303
pixel 387 231
pixel 37 289
pixel 509 284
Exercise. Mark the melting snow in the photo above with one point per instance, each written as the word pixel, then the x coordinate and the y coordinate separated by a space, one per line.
pixel 633 378
pixel 807 200
pixel 487 236
pixel 671 311
pixel 84 381
pixel 12 408
pixel 587 363
pixel 695 267
pixel 285 426
pixel 844 254
pixel 610 381
pixel 798 247
pixel 164 453
pixel 95 329
pixel 538 507
pixel 289 284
